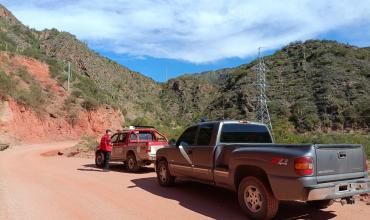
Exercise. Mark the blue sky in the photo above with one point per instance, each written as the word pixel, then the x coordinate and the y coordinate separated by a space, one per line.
pixel 158 36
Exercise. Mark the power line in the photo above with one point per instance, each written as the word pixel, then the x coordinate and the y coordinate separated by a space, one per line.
pixel 262 114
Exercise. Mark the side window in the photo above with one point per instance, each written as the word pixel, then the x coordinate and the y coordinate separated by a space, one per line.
pixel 133 136
pixel 160 137
pixel 146 136
pixel 245 133
pixel 114 138
pixel 122 138
pixel 205 134
pixel 188 136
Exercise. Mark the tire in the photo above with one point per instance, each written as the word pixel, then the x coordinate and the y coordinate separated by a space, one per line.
pixel 99 159
pixel 163 174
pixel 256 199
pixel 131 164
pixel 320 204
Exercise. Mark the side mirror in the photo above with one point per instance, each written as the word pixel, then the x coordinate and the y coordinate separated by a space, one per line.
pixel 172 142
pixel 184 144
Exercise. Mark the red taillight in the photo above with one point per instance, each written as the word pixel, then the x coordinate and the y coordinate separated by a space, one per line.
pixel 303 166
pixel 148 149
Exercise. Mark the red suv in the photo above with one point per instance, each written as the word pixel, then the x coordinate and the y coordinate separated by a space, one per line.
pixel 136 147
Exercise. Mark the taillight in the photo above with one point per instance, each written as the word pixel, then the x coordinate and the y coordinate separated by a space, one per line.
pixel 303 166
pixel 148 149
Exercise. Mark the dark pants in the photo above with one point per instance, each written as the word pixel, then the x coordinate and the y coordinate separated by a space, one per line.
pixel 106 159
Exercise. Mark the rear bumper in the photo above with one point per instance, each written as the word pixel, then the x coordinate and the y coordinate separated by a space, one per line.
pixel 337 190
pixel 147 159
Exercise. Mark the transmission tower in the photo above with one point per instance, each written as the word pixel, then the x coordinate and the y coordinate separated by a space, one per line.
pixel 262 114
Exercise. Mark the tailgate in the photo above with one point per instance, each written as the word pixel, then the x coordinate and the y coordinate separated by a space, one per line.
pixel 154 146
pixel 153 149
pixel 339 159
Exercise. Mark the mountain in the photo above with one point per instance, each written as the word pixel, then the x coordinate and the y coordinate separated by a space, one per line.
pixel 312 86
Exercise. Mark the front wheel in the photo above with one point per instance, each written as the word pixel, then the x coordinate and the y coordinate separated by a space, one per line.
pixel 163 174
pixel 320 204
pixel 256 199
pixel 99 159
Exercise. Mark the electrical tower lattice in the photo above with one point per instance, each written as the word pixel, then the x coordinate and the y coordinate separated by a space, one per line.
pixel 262 114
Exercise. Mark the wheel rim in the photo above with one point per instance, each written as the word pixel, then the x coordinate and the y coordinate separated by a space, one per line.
pixel 99 159
pixel 163 173
pixel 253 198
pixel 131 163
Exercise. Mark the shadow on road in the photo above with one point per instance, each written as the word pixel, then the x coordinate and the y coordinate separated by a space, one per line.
pixel 219 203
pixel 115 167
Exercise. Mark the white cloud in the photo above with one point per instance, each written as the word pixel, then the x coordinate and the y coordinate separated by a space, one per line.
pixel 196 31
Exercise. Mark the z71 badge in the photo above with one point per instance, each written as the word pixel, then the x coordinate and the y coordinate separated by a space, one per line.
pixel 280 161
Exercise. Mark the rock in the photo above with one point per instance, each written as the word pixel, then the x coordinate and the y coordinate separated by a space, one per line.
pixel 4 147
pixel 60 153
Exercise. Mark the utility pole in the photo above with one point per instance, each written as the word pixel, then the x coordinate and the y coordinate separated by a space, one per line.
pixel 69 74
pixel 262 114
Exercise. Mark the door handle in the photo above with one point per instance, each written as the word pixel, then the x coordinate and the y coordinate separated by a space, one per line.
pixel 342 155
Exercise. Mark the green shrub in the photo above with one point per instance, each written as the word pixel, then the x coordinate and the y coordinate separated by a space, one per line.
pixel 55 67
pixel 77 93
pixel 7 85
pixel 71 100
pixel 72 116
pixel 33 98
pixel 90 104
pixel 89 142
pixel 26 76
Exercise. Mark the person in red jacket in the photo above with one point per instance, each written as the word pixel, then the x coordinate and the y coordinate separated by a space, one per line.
pixel 106 147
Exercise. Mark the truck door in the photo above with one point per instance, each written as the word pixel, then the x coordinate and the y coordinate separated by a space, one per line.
pixel 133 142
pixel 202 152
pixel 114 140
pixel 119 147
pixel 180 162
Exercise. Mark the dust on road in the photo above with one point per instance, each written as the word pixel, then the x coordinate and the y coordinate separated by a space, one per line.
pixel 54 187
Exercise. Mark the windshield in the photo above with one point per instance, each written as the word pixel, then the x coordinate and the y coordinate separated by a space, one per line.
pixel 245 133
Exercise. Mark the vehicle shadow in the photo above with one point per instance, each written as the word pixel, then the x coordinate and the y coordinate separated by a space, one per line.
pixel 218 203
pixel 115 167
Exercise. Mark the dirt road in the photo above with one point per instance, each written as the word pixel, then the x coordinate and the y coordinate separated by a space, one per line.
pixel 55 187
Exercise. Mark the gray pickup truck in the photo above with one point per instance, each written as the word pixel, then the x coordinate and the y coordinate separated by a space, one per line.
pixel 241 156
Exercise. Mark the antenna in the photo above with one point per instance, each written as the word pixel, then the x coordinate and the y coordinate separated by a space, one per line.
pixel 262 114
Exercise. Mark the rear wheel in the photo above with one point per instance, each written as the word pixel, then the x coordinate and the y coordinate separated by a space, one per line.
pixel 256 199
pixel 99 159
pixel 163 174
pixel 320 204
pixel 131 163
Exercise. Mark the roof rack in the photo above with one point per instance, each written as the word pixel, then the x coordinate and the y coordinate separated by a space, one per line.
pixel 143 126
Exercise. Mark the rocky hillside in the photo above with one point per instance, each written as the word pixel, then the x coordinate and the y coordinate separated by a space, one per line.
pixel 312 86
pixel 97 79
pixel 34 103
pixel 34 107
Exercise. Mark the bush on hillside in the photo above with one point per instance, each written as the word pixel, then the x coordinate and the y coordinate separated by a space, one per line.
pixel 90 104
pixel 7 85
